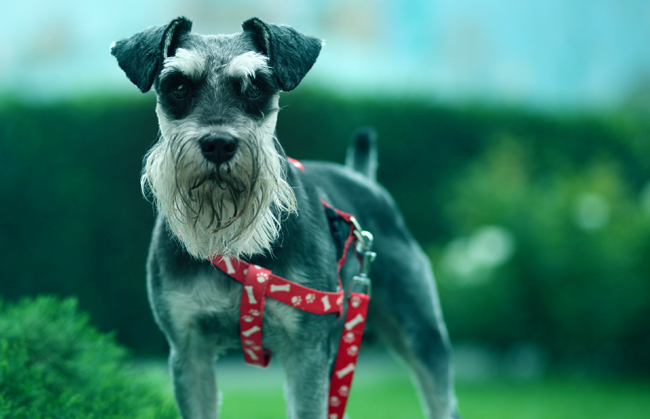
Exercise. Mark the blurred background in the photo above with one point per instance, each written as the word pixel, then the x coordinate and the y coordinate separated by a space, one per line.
pixel 514 135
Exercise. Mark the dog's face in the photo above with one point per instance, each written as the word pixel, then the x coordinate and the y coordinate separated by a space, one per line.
pixel 217 172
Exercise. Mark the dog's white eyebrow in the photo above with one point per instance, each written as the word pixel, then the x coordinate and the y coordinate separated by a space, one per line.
pixel 246 65
pixel 187 62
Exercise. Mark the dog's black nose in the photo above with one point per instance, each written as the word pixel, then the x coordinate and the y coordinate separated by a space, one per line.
pixel 218 148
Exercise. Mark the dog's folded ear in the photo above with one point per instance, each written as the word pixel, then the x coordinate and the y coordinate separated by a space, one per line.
pixel 141 56
pixel 291 54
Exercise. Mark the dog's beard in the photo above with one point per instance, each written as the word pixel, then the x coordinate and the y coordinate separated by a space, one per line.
pixel 234 209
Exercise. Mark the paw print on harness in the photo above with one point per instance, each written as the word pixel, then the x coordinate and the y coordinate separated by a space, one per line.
pixel 262 277
pixel 349 337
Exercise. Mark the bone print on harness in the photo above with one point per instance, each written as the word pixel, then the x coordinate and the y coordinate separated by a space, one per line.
pixel 276 288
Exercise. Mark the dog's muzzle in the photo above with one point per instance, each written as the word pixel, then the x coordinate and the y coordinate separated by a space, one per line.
pixel 218 148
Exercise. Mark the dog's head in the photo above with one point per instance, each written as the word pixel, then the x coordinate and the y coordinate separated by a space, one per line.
pixel 290 53
pixel 218 172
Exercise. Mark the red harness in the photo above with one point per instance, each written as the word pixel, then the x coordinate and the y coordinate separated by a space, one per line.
pixel 260 283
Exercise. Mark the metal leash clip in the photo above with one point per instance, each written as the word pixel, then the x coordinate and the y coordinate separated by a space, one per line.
pixel 367 256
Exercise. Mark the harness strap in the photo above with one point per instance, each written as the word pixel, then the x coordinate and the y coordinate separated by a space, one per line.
pixel 258 284
pixel 250 314
pixel 346 358
pixel 283 290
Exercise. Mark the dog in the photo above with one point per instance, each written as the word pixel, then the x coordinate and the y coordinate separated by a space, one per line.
pixel 222 185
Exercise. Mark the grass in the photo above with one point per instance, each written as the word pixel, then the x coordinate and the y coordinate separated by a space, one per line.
pixel 53 364
pixel 556 398
pixel 386 392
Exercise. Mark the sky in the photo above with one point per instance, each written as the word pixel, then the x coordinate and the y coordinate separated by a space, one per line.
pixel 535 53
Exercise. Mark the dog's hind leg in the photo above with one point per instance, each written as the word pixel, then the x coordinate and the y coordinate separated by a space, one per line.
pixel 407 316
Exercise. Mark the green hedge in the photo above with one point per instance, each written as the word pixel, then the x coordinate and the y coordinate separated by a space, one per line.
pixel 73 219
pixel 74 222
pixel 54 365
pixel 554 255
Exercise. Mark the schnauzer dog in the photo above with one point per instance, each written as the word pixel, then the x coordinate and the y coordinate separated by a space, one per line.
pixel 223 185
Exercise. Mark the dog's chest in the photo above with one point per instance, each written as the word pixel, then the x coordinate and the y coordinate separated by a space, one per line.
pixel 210 306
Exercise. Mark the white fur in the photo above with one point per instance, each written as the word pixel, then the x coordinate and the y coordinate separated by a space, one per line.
pixel 246 65
pixel 185 61
pixel 170 179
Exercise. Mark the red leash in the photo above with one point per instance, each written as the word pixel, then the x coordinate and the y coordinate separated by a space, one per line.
pixel 260 283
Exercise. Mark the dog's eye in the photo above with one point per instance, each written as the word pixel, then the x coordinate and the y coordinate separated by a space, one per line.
pixel 181 91
pixel 253 92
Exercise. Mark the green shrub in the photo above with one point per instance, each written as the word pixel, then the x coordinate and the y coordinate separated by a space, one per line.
pixel 53 364
pixel 551 254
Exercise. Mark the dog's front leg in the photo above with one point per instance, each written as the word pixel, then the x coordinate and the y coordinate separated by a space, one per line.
pixel 307 383
pixel 195 384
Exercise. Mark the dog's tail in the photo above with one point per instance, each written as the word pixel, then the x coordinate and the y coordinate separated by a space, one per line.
pixel 362 152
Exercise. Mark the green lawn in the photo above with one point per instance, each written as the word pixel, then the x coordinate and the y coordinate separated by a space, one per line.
pixel 252 393
pixel 556 398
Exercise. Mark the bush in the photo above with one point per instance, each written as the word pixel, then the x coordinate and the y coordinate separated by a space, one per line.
pixel 554 254
pixel 53 364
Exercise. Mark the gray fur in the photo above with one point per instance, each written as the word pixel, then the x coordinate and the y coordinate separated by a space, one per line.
pixel 253 204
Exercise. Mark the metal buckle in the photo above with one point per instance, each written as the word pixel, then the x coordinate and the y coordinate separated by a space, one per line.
pixel 367 256
pixel 362 282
